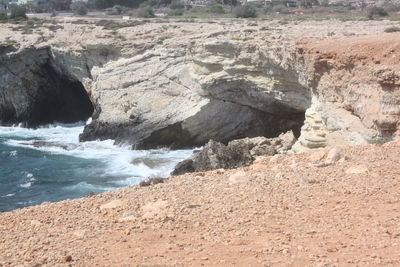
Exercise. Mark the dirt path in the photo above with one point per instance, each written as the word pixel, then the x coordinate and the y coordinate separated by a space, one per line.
pixel 287 210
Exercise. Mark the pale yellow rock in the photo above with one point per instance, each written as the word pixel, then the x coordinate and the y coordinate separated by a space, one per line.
pixel 357 169
pixel 238 177
pixel 155 209
pixel 259 167
pixel 334 155
pixel 317 155
pixel 79 233
pixel 112 204
pixel 36 223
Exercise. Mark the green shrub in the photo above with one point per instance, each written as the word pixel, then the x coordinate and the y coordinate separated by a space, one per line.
pixel 177 5
pixel 393 29
pixel 324 3
pixel 279 8
pixel 165 37
pixel 3 16
pixel 391 7
pixel 115 10
pixel 246 11
pixel 376 11
pixel 146 12
pixel 217 9
pixel 17 12
pixel 79 8
pixel 175 12
pixel 308 3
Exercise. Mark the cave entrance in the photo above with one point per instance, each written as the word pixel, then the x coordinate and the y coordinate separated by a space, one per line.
pixel 59 99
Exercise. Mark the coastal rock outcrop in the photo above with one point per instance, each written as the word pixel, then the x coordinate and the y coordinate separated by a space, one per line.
pixel 218 91
pixel 176 84
pixel 237 153
pixel 34 93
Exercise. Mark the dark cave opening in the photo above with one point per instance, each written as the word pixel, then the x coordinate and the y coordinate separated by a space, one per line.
pixel 58 99
pixel 223 122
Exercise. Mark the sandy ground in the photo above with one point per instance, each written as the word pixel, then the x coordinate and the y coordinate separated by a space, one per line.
pixel 324 208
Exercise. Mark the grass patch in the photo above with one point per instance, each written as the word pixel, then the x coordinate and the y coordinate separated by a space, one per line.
pixel 392 29
pixel 165 37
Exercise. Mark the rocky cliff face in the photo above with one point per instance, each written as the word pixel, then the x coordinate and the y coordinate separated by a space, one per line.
pixel 34 93
pixel 199 82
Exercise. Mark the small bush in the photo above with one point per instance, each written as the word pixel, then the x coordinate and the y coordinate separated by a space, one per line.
pixel 165 37
pixel 376 11
pixel 175 12
pixel 115 10
pixel 3 16
pixel 324 3
pixel 79 8
pixel 246 11
pixel 217 9
pixel 152 181
pixel 392 29
pixel 391 7
pixel 177 5
pixel 146 12
pixel 308 3
pixel 279 8
pixel 17 12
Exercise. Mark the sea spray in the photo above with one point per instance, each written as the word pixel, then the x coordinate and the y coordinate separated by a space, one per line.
pixel 50 164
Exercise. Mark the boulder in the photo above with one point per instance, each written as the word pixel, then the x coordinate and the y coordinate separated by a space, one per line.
pixel 237 153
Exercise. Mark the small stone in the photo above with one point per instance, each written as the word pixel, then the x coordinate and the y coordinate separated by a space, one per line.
pixel 238 177
pixel 79 233
pixel 68 258
pixel 317 155
pixel 357 169
pixel 36 223
pixel 333 156
pixel 112 204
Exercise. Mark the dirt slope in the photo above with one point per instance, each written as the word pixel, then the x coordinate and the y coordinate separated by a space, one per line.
pixel 297 209
pixel 375 50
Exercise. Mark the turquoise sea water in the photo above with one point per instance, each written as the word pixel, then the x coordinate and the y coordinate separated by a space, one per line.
pixel 49 164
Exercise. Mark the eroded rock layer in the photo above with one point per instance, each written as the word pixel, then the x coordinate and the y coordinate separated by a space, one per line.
pixel 180 84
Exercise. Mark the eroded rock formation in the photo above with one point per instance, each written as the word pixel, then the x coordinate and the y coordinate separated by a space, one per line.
pixel 237 153
pixel 219 81
pixel 34 93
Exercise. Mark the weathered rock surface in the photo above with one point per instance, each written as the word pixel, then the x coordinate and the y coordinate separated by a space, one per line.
pixel 237 153
pixel 206 81
pixel 34 93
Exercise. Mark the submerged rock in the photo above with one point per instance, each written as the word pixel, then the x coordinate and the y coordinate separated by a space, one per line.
pixel 237 153
pixel 40 144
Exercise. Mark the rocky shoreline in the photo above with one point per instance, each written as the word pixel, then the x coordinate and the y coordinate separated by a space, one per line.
pixel 338 207
pixel 178 84
pixel 243 85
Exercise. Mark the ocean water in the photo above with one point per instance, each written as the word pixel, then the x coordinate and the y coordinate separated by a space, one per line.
pixel 49 164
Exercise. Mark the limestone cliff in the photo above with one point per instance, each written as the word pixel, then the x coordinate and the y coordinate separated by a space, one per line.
pixel 180 84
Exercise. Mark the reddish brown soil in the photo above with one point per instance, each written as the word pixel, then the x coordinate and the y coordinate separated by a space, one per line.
pixel 370 49
pixel 285 210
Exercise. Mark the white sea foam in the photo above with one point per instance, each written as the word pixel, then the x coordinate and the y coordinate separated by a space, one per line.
pixel 26 185
pixel 63 139
pixel 9 195
pixel 83 186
